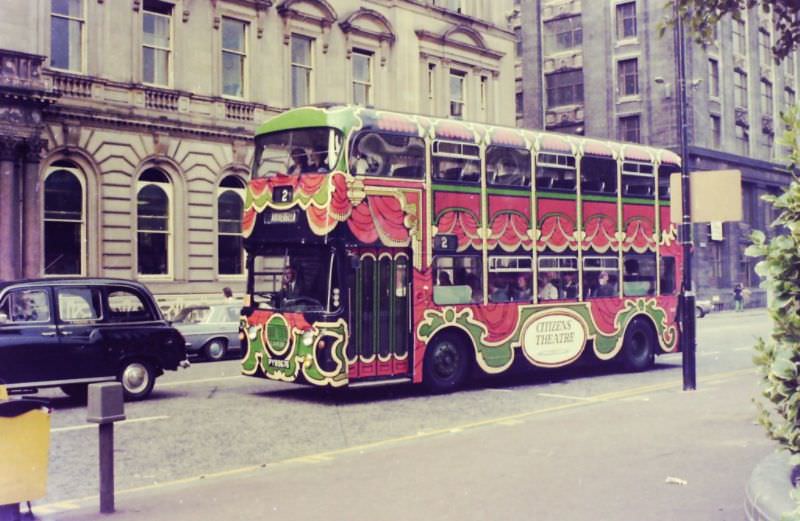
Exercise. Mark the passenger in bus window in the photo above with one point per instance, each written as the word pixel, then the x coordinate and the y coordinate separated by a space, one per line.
pixel 300 162
pixel 523 292
pixel 319 160
pixel 498 291
pixel 569 287
pixel 547 290
pixel 604 287
pixel 444 279
pixel 474 283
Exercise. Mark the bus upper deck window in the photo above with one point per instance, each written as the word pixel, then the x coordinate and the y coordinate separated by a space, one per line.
pixel 386 154
pixel 297 151
pixel 508 166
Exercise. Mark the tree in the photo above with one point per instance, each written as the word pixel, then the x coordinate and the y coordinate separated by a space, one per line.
pixel 700 17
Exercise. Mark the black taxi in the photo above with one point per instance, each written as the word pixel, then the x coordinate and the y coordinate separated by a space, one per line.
pixel 70 332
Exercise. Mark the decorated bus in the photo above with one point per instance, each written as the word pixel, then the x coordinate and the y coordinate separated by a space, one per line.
pixel 394 247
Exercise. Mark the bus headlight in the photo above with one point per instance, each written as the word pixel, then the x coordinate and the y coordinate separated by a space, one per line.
pixel 252 333
pixel 308 338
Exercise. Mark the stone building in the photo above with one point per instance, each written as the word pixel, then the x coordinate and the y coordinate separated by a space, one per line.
pixel 599 68
pixel 125 125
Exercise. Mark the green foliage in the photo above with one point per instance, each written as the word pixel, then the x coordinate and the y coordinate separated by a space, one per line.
pixel 778 358
pixel 701 16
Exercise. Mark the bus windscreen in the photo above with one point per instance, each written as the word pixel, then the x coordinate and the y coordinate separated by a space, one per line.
pixel 294 152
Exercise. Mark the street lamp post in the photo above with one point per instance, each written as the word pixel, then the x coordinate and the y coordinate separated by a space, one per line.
pixel 687 297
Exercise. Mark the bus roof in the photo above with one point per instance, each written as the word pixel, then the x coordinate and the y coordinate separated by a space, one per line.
pixel 349 118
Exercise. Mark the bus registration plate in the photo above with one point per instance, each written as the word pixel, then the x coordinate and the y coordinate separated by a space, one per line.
pixel 283 218
pixel 280 364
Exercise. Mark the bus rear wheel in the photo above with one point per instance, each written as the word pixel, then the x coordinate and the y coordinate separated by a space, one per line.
pixel 446 364
pixel 638 347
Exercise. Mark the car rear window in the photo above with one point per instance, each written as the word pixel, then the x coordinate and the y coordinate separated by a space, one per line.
pixel 79 304
pixel 126 306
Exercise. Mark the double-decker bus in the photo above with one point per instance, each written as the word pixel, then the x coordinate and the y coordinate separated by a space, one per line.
pixel 393 247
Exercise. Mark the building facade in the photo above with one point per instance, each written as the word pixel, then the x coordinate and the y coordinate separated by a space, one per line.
pixel 125 125
pixel 600 68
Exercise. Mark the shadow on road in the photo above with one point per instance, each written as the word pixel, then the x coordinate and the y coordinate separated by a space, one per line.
pixel 522 376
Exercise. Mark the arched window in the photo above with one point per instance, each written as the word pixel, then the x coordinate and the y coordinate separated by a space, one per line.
pixel 230 206
pixel 154 223
pixel 64 226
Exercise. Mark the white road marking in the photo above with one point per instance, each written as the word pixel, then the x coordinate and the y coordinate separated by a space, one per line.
pixel 566 397
pixel 199 381
pixel 93 425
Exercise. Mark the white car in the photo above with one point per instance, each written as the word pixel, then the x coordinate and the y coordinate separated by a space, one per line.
pixel 703 308
pixel 210 331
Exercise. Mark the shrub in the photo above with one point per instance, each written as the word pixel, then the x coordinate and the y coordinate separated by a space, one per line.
pixel 778 358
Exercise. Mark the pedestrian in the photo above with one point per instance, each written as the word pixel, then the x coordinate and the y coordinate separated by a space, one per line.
pixel 228 294
pixel 738 297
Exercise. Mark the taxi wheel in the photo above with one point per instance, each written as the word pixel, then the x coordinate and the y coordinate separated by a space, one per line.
pixel 215 350
pixel 137 378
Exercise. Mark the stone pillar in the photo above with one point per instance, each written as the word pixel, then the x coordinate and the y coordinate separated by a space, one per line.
pixel 33 252
pixel 9 212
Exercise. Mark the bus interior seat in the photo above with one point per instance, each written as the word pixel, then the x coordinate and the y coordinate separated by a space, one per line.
pixel 451 173
pixel 638 189
pixel 470 174
pixel 452 294
pixel 593 185
pixel 411 171
pixel 564 184
pixel 544 183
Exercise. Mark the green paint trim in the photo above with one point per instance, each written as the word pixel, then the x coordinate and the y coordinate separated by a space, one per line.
pixel 461 189
pixel 554 195
pixel 359 310
pixel 600 198
pixel 523 192
pixel 392 324
pixel 376 305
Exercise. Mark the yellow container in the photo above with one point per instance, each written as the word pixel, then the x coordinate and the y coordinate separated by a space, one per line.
pixel 24 447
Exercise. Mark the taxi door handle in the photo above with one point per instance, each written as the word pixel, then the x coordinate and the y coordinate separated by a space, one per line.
pixel 66 333
pixel 48 333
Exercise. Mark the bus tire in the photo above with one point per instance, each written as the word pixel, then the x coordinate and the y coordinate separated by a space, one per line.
pixel 638 347
pixel 446 363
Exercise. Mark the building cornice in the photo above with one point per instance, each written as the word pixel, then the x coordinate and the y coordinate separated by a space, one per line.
pixel 446 40
pixel 130 122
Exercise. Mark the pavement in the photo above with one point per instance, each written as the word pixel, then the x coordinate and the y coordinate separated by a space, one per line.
pixel 647 452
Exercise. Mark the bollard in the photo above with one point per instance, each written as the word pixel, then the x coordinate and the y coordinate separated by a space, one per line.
pixel 105 406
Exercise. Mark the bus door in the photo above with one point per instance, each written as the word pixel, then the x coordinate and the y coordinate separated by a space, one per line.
pixel 380 311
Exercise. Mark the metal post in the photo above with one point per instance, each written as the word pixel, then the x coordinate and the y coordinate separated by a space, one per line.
pixel 106 451
pixel 105 406
pixel 687 297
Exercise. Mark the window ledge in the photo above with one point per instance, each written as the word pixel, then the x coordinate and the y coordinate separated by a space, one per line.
pixel 240 276
pixel 629 98
pixel 626 42
pixel 154 278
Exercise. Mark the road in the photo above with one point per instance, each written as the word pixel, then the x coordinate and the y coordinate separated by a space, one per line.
pixel 211 421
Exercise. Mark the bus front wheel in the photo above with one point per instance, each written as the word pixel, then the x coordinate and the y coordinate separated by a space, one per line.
pixel 446 363
pixel 638 347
